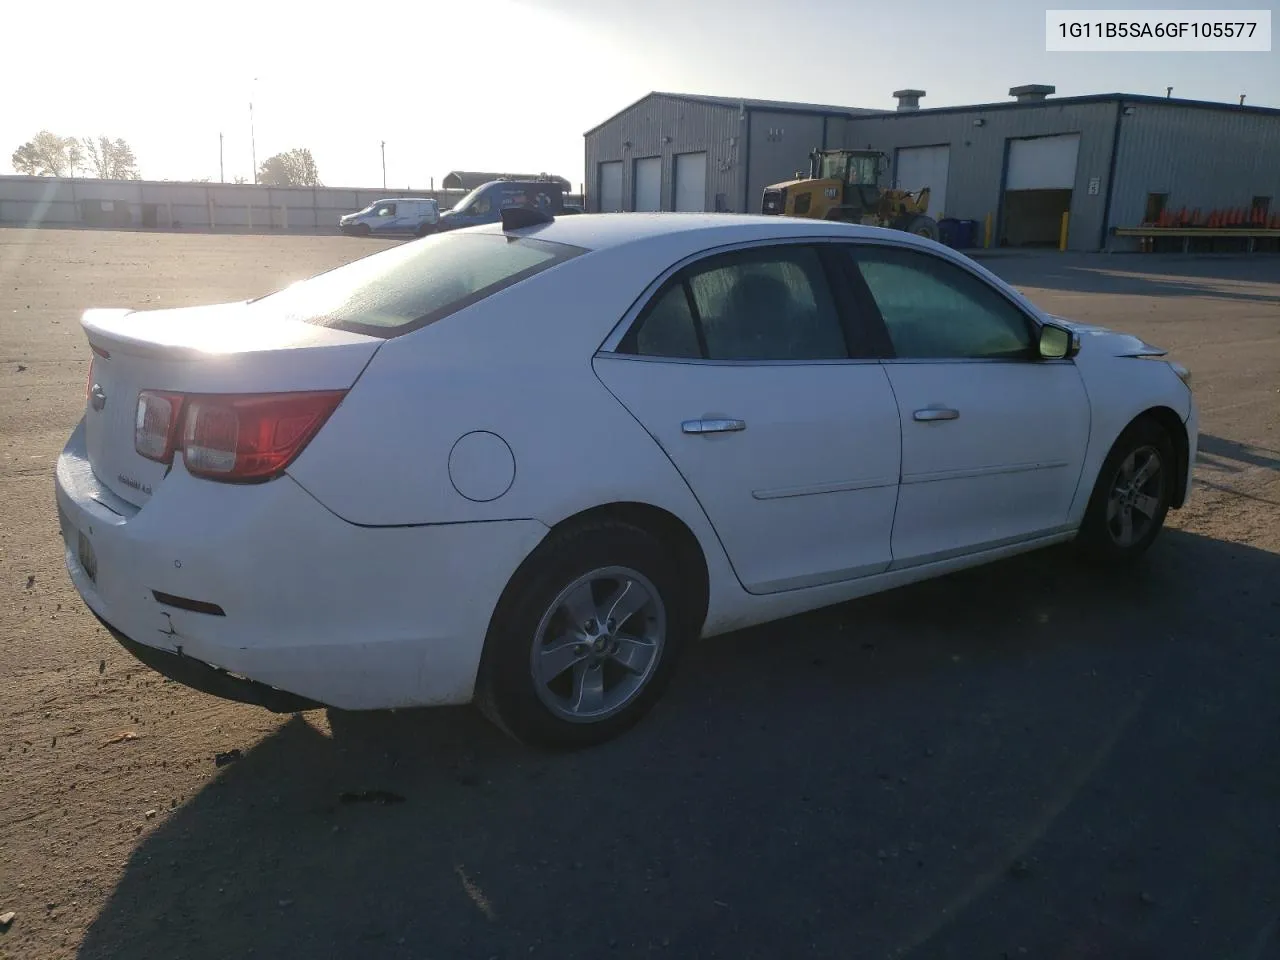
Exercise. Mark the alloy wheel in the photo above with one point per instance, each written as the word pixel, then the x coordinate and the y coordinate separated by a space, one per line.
pixel 598 644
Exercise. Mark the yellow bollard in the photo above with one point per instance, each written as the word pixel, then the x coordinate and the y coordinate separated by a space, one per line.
pixel 986 236
pixel 1062 233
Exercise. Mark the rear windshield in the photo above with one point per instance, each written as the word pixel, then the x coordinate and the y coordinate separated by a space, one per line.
pixel 414 284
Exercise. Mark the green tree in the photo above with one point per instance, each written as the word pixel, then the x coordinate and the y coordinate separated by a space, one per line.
pixel 112 159
pixel 48 155
pixel 295 168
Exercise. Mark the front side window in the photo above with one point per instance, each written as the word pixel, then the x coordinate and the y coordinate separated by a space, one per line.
pixel 386 210
pixel 933 309
pixel 766 303
pixel 409 286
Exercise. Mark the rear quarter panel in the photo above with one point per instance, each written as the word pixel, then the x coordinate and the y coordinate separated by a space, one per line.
pixel 517 365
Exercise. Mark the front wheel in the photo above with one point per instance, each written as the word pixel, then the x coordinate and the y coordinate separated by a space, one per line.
pixel 1131 496
pixel 585 637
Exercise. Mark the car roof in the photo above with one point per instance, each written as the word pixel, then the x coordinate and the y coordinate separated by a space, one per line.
pixel 600 231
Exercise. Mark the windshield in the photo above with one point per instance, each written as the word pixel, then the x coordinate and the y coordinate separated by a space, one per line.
pixel 409 286
pixel 465 204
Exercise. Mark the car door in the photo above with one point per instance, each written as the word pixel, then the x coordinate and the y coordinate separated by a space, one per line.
pixel 993 437
pixel 744 367
pixel 383 219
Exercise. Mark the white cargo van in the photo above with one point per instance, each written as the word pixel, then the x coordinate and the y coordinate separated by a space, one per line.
pixel 411 216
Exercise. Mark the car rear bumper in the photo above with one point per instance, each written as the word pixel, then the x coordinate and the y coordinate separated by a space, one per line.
pixel 198 675
pixel 256 591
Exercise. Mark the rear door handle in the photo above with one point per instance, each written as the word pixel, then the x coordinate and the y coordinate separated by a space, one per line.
pixel 713 426
pixel 930 414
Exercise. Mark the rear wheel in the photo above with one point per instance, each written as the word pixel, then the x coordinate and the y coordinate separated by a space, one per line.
pixel 1131 495
pixel 920 225
pixel 585 638
pixel 425 229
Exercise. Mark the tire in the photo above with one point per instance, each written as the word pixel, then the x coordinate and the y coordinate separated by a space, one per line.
pixel 921 226
pixel 424 230
pixel 362 230
pixel 1105 535
pixel 546 690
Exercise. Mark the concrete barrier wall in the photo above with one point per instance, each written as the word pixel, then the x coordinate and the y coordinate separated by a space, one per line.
pixel 165 205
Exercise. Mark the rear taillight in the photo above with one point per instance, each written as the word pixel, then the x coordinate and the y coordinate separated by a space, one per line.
pixel 236 438
pixel 244 438
pixel 155 427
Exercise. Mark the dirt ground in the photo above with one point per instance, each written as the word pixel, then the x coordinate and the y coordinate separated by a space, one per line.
pixel 1032 759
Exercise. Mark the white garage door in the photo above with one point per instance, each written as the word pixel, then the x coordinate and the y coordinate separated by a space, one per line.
pixel 691 182
pixel 649 184
pixel 611 187
pixel 1043 163
pixel 920 167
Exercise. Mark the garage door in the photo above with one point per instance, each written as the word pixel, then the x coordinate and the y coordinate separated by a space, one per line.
pixel 920 167
pixel 1043 163
pixel 691 182
pixel 648 184
pixel 611 187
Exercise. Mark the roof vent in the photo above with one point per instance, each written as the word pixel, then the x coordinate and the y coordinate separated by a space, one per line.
pixel 908 99
pixel 1031 92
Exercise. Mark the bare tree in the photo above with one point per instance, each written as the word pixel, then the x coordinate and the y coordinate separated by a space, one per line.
pixel 48 155
pixel 295 168
pixel 112 159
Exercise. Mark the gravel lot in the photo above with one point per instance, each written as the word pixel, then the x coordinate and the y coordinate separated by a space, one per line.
pixel 1026 760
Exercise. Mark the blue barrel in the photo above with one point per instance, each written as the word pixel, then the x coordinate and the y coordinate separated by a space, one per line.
pixel 970 230
pixel 949 231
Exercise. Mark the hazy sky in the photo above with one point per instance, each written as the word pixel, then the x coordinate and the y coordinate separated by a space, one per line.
pixel 513 84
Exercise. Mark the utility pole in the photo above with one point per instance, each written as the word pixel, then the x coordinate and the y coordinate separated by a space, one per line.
pixel 222 171
pixel 384 164
pixel 253 141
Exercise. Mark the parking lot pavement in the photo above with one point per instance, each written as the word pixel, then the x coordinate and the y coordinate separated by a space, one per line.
pixel 1032 759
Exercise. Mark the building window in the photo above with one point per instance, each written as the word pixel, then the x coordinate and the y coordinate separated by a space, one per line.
pixel 1155 206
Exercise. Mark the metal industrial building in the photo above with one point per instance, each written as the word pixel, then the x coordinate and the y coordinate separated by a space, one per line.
pixel 1110 160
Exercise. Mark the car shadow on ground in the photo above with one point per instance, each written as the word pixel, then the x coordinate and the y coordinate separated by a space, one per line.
pixel 1031 756
pixel 1214 278
pixel 1213 451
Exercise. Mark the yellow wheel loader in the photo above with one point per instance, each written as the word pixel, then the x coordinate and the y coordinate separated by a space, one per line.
pixel 844 185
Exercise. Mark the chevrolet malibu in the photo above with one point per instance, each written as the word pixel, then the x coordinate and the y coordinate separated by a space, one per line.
pixel 526 464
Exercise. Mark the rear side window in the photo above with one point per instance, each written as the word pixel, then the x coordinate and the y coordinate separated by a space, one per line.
pixel 765 303
pixel 409 286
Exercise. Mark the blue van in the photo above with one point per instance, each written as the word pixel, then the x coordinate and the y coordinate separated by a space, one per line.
pixel 486 202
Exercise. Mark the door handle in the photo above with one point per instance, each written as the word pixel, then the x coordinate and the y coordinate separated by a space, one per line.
pixel 725 425
pixel 930 414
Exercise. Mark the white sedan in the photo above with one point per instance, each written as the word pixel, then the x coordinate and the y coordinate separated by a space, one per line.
pixel 525 464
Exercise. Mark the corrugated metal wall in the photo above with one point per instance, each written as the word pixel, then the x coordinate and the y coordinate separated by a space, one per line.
pixel 1201 157
pixel 1209 159
pixel 691 127
pixel 976 172
pixel 780 145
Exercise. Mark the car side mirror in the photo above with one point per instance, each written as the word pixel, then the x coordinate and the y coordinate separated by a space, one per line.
pixel 1058 343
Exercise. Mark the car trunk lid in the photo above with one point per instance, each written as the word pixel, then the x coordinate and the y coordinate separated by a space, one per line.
pixel 221 349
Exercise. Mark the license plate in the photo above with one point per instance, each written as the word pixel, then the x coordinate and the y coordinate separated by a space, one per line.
pixel 88 560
